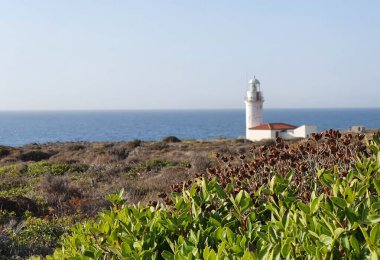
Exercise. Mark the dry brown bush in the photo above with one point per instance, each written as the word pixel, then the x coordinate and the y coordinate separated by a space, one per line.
pixel 88 206
pixel 134 143
pixel 58 189
pixel 101 159
pixel 147 188
pixel 159 146
pixel 119 153
pixel 76 147
pixel 200 163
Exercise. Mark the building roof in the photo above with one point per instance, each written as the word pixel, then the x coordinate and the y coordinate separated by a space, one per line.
pixel 273 126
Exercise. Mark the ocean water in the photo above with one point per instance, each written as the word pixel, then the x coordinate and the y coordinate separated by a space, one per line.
pixel 19 128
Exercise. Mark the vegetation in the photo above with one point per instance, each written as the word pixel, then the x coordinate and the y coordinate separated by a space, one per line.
pixel 171 139
pixel 204 199
pixel 46 188
pixel 30 236
pixel 260 206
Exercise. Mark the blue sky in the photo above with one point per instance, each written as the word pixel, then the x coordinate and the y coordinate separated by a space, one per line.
pixel 162 54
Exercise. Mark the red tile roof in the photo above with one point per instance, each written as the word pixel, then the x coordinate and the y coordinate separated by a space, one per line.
pixel 273 126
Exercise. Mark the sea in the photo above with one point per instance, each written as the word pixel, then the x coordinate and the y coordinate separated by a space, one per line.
pixel 20 128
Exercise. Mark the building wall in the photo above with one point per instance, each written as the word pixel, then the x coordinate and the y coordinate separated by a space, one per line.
pixel 289 134
pixel 358 129
pixel 254 113
pixel 257 135
pixel 303 131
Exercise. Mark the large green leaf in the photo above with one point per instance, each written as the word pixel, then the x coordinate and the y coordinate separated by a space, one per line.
pixel 339 202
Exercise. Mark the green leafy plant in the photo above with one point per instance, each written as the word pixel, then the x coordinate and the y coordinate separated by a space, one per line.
pixel 210 220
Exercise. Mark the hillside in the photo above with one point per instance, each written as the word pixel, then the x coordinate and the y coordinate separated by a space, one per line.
pixel 57 184
pixel 46 188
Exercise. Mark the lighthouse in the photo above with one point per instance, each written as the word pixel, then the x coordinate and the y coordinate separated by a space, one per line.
pixel 256 130
pixel 253 105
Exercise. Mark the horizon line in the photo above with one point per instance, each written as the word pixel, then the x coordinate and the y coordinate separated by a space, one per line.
pixel 175 109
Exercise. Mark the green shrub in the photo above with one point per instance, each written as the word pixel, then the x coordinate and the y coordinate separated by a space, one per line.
pixel 212 221
pixel 11 169
pixel 6 216
pixel 56 169
pixel 14 189
pixel 33 236
pixel 156 165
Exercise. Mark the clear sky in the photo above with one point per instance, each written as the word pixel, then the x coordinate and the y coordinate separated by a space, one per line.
pixel 180 54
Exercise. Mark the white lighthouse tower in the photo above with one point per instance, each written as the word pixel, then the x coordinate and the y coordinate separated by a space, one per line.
pixel 255 128
pixel 253 105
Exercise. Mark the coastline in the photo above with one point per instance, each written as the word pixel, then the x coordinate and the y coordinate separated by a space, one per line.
pixel 22 128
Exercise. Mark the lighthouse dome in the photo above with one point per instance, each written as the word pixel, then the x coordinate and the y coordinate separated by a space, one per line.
pixel 254 81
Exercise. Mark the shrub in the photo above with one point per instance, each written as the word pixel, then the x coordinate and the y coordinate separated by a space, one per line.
pixel 252 170
pixel 56 169
pixel 158 146
pixel 5 245
pixel 32 236
pixel 14 189
pixel 58 189
pixel 4 151
pixel 18 205
pixel 88 206
pixel 156 165
pixel 35 156
pixel 200 164
pixel 171 139
pixel 11 169
pixel 214 219
pixel 134 143
pixel 76 147
pixel 119 152
pixel 6 216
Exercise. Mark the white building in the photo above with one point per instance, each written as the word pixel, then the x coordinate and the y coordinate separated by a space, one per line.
pixel 256 130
